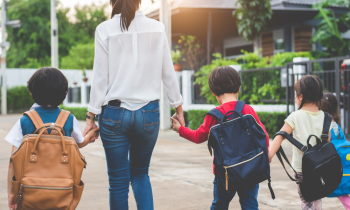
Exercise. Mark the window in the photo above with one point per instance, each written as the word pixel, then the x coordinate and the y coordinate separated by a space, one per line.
pixel 278 41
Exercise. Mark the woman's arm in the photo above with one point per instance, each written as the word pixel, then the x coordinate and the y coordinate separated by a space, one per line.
pixel 277 141
pixel 170 82
pixel 10 193
pixel 100 75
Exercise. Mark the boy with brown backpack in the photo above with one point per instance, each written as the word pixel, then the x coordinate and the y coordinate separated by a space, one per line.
pixel 46 166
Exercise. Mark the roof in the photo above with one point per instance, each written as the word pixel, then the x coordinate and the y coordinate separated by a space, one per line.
pixel 227 4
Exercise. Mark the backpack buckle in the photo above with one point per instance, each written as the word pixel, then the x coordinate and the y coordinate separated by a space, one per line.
pixel 324 137
pixel 304 148
pixel 52 126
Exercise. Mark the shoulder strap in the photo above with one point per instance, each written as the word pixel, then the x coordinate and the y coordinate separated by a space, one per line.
pixel 62 119
pixel 239 106
pixel 36 119
pixel 216 113
pixel 326 125
pixel 292 140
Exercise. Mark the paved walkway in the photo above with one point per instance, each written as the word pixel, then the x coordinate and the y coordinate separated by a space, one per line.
pixel 181 175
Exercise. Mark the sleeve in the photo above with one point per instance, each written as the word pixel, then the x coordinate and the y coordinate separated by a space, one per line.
pixel 252 111
pixel 15 136
pixel 100 75
pixel 76 133
pixel 201 134
pixel 290 120
pixel 169 79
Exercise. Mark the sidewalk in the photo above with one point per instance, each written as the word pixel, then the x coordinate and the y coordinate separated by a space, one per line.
pixel 181 176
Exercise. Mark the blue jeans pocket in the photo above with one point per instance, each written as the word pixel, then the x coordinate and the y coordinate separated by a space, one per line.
pixel 151 120
pixel 112 117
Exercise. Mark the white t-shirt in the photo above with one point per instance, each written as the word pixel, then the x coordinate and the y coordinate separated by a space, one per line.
pixel 304 124
pixel 15 135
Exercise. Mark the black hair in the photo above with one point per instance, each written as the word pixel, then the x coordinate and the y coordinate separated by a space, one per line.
pixel 48 87
pixel 311 88
pixel 329 104
pixel 127 9
pixel 224 80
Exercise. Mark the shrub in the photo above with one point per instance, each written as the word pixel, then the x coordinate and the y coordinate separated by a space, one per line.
pixel 273 121
pixel 18 99
pixel 79 113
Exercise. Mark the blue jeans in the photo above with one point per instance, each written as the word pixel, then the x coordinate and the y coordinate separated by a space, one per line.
pixel 248 197
pixel 128 139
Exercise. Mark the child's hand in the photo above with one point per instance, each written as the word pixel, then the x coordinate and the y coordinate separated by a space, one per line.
pixel 92 135
pixel 12 201
pixel 176 124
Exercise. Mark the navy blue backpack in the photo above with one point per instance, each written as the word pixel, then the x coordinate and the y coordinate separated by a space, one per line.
pixel 240 151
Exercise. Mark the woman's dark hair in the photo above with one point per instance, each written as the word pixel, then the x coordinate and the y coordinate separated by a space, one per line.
pixel 48 87
pixel 127 9
pixel 311 88
pixel 224 80
pixel 329 104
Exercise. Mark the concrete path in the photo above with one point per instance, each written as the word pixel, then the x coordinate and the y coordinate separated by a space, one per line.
pixel 181 175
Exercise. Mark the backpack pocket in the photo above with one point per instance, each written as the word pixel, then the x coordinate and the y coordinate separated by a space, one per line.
pixel 247 170
pixel 41 193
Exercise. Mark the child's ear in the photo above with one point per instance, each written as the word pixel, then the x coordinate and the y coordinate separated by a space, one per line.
pixel 214 94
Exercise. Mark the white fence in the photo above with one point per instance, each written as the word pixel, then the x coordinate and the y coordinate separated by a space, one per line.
pixel 79 91
pixel 78 94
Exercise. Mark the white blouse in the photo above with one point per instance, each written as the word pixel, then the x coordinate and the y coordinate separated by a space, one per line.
pixel 130 65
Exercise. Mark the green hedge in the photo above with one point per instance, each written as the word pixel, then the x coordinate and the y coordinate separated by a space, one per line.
pixel 273 121
pixel 18 99
pixel 79 113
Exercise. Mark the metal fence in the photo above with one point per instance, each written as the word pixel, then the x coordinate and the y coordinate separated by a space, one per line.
pixel 335 80
pixel 265 85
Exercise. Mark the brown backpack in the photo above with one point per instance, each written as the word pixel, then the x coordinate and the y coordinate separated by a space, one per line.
pixel 48 167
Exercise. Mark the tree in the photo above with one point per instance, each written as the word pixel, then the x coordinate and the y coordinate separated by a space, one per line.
pixel 330 29
pixel 252 17
pixel 31 43
pixel 80 56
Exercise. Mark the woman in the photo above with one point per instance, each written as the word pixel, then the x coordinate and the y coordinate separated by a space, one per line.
pixel 132 58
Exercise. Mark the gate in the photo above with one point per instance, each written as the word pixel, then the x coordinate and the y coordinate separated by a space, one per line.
pixel 336 80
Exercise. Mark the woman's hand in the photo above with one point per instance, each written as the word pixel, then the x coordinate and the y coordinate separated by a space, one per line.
pixel 90 124
pixel 12 201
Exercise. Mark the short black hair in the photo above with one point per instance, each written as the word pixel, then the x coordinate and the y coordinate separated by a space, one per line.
pixel 224 80
pixel 311 87
pixel 48 87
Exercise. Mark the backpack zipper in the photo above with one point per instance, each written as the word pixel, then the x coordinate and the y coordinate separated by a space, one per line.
pixel 46 188
pixel 231 166
pixel 237 119
pixel 323 183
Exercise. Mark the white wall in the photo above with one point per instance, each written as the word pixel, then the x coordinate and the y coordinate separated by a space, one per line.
pixel 20 77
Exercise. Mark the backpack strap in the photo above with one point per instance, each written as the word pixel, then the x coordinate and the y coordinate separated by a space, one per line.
pixel 326 125
pixel 282 155
pixel 61 120
pixel 292 140
pixel 239 106
pixel 216 113
pixel 36 119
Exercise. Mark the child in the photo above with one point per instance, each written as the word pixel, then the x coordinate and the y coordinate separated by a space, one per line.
pixel 330 105
pixel 304 122
pixel 224 83
pixel 48 87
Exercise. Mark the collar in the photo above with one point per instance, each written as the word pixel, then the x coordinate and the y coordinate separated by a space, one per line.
pixel 35 105
pixel 137 14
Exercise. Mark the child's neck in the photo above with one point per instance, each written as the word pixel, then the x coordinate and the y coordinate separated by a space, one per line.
pixel 311 107
pixel 227 97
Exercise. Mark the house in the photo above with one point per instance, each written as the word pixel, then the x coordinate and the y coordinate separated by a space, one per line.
pixel 211 21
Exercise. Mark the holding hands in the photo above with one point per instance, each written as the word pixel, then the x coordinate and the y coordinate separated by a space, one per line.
pixel 178 119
